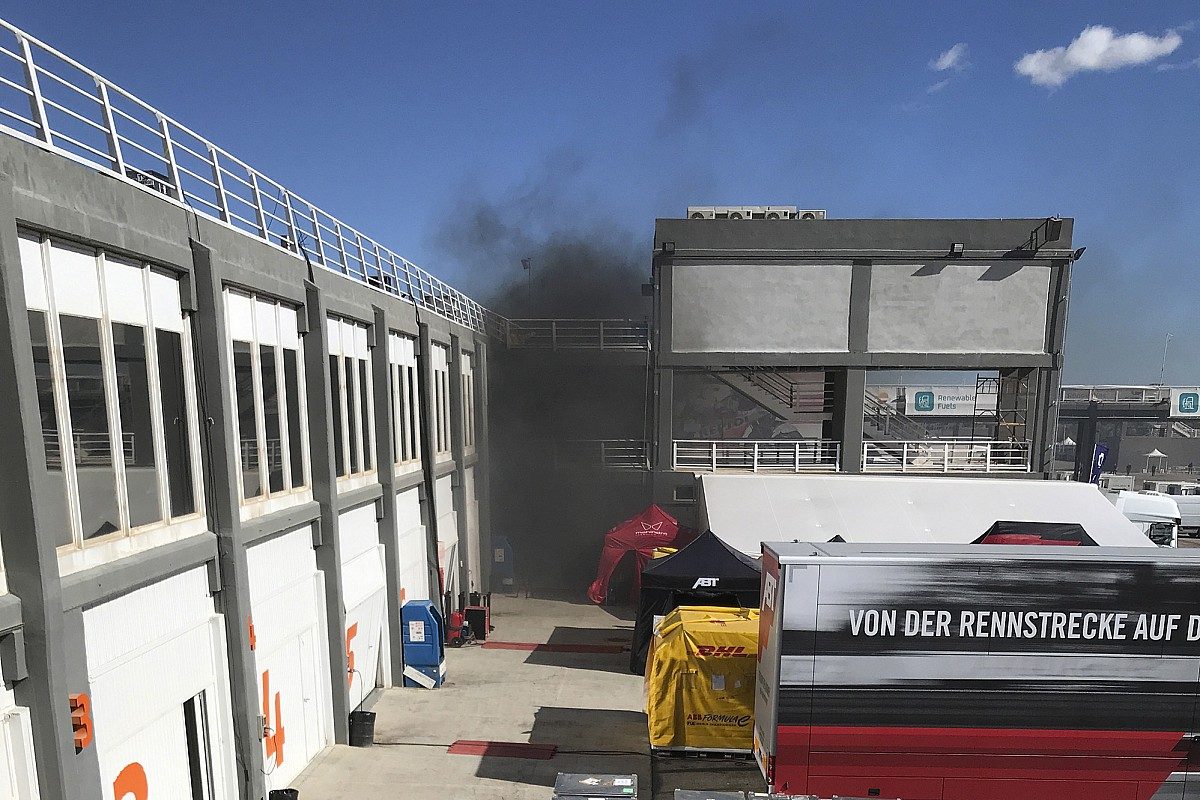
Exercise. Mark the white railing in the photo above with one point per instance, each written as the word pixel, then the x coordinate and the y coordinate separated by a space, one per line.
pixel 578 334
pixel 1115 394
pixel 49 98
pixel 89 449
pixel 946 456
pixel 626 455
pixel 763 455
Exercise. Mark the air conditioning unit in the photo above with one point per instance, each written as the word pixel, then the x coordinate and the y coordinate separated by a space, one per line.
pixel 811 213
pixel 701 212
pixel 778 212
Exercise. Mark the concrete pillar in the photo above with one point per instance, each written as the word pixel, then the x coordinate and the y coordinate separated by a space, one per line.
pixel 483 471
pixel 324 485
pixel 30 560
pixel 385 459
pixel 465 568
pixel 224 516
pixel 425 395
pixel 849 389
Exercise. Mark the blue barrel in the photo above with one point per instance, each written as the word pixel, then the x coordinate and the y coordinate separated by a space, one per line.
pixel 424 651
pixel 504 579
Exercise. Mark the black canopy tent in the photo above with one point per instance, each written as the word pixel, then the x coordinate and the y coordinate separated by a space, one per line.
pixel 707 572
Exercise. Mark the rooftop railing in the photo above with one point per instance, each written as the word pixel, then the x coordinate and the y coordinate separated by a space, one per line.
pixel 49 98
pixel 578 334
pixel 1116 394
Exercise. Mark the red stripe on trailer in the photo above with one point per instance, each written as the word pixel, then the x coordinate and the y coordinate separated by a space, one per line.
pixel 974 763
pixel 528 750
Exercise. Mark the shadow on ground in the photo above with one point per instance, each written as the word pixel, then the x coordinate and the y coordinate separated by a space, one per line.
pixel 603 639
pixel 703 774
pixel 588 740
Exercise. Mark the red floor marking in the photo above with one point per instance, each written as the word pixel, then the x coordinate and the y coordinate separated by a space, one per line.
pixel 471 747
pixel 543 647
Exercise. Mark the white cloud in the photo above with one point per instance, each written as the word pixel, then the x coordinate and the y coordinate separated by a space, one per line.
pixel 955 58
pixel 1097 48
pixel 937 87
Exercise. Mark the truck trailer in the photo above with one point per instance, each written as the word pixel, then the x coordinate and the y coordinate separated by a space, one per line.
pixel 979 672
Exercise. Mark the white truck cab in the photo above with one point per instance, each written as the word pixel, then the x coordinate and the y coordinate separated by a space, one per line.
pixel 1156 514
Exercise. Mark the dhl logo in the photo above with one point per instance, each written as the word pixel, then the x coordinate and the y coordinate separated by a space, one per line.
pixel 722 651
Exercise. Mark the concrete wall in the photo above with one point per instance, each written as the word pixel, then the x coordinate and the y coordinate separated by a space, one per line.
pixel 49 194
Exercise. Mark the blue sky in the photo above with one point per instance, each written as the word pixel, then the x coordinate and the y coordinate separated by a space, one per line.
pixel 401 117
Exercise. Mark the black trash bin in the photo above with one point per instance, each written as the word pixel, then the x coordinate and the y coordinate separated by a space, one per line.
pixel 284 794
pixel 362 728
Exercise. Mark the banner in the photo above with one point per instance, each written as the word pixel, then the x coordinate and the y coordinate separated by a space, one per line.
pixel 1099 458
pixel 945 401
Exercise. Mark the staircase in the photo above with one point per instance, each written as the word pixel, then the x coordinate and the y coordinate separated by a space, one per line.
pixel 883 421
pixel 787 399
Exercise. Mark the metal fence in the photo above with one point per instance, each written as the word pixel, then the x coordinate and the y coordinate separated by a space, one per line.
pixel 625 455
pixel 1116 394
pixel 764 455
pixel 578 334
pixel 89 449
pixel 47 97
pixel 946 456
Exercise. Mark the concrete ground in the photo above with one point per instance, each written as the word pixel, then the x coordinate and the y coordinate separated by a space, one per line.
pixel 589 705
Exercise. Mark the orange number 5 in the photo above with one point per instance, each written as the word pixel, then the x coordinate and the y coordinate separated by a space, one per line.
pixel 81 720
pixel 351 632
pixel 131 781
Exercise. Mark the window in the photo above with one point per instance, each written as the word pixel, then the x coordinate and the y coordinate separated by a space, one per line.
pixel 468 400
pixel 440 358
pixel 268 386
pixel 406 431
pixel 116 396
pixel 353 403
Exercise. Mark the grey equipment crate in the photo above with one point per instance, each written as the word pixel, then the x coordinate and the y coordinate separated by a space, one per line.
pixel 571 785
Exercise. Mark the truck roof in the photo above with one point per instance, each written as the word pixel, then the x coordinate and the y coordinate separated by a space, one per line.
pixel 796 552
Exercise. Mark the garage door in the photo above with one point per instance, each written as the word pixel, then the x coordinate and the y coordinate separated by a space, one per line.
pixel 365 602
pixel 413 548
pixel 449 550
pixel 18 774
pixel 287 601
pixel 471 503
pixel 160 700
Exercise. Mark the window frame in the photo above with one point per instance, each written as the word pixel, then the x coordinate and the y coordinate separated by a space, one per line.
pixel 81 553
pixel 348 343
pixel 405 408
pixel 276 339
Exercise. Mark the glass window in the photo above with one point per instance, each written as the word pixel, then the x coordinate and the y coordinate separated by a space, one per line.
pixel 291 378
pixel 58 514
pixel 351 414
pixel 243 382
pixel 339 436
pixel 271 417
pixel 175 422
pixel 413 430
pixel 96 473
pixel 137 424
pixel 364 387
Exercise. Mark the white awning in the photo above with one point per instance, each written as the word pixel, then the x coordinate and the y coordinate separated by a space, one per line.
pixel 746 510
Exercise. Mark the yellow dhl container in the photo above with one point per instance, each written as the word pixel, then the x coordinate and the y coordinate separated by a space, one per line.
pixel 700 679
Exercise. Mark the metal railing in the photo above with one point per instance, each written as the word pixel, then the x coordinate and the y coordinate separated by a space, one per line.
pixel 887 421
pixel 1115 394
pixel 763 455
pixel 50 98
pixel 89 449
pixel 626 455
pixel 946 456
pixel 578 334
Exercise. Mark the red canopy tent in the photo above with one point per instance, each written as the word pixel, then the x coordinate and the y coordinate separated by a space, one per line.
pixel 650 529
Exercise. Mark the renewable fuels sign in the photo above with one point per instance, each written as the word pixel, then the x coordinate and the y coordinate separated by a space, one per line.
pixel 945 401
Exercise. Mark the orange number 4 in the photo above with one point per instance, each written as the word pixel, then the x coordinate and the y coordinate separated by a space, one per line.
pixel 351 632
pixel 273 736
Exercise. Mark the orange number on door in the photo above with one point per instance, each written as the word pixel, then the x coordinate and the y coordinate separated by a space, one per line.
pixel 131 781
pixel 351 632
pixel 273 736
pixel 81 720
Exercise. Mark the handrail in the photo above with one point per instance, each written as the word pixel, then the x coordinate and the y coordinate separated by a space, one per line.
pixel 577 334
pixel 1114 394
pixel 756 455
pixel 947 456
pixel 99 123
pixel 890 421
pixel 613 454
